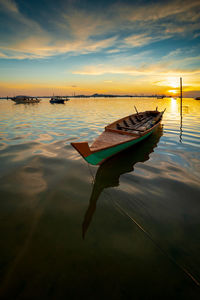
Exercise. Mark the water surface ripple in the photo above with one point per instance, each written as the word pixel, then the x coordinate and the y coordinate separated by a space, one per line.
pixel 130 228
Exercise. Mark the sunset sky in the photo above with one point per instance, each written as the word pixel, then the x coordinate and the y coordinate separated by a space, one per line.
pixel 85 47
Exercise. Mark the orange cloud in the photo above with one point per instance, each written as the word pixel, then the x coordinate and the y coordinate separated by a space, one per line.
pixel 155 69
pixel 38 47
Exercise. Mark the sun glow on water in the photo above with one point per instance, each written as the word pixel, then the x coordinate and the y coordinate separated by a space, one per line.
pixel 174 106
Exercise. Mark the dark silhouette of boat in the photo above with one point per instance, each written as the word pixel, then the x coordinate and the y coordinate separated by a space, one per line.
pixel 58 100
pixel 109 172
pixel 25 99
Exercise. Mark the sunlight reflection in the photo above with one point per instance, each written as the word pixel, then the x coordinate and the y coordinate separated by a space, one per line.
pixel 174 105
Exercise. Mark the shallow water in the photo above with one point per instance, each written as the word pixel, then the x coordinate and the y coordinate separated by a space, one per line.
pixel 127 230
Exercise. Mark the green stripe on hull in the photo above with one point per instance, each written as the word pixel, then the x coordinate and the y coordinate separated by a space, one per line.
pixel 97 157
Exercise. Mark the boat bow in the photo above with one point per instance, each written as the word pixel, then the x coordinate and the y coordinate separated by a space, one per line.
pixel 83 148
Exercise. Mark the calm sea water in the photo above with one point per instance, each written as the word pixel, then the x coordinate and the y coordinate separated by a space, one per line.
pixel 127 230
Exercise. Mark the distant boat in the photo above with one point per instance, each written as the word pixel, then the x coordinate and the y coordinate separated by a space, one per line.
pixel 197 98
pixel 25 99
pixel 160 97
pixel 119 136
pixel 58 99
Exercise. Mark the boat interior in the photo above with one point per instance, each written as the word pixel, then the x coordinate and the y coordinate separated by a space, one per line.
pixel 136 123
pixel 126 129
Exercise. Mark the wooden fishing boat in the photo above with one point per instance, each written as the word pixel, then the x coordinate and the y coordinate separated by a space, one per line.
pixel 119 136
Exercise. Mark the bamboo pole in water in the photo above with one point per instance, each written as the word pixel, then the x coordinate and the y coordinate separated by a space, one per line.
pixel 181 106
pixel 181 96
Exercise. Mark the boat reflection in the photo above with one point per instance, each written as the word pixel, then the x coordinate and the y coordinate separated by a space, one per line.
pixel 108 173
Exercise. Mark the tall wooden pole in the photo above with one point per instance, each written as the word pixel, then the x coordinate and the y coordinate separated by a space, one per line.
pixel 181 96
pixel 181 106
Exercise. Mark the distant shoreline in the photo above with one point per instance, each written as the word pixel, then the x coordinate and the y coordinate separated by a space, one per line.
pixel 103 96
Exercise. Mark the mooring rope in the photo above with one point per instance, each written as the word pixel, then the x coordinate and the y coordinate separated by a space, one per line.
pixel 93 178
pixel 158 246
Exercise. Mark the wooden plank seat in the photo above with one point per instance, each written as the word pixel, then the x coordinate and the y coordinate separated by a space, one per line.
pixel 125 123
pixel 135 127
pixel 132 121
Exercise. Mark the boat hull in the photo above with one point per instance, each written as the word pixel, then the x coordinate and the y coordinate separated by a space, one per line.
pixel 57 101
pixel 119 136
pixel 97 158
pixel 25 101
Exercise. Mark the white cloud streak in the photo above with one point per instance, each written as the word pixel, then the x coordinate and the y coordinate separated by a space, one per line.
pixel 92 32
pixel 156 69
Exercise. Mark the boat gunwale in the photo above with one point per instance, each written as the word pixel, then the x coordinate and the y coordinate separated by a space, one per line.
pixel 126 133
pixel 132 115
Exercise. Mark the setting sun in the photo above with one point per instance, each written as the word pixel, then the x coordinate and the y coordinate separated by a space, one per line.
pixel 173 91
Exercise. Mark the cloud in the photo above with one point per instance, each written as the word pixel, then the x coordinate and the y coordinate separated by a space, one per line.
pixel 113 51
pixel 30 40
pixel 156 11
pixel 75 30
pixel 196 35
pixel 138 40
pixel 83 24
pixel 39 47
pixel 144 70
pixel 9 5
pixel 20 30
pixel 2 55
pixel 11 10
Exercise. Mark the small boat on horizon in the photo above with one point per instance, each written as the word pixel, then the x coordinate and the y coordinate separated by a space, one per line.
pixel 119 136
pixel 197 98
pixel 58 100
pixel 25 99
